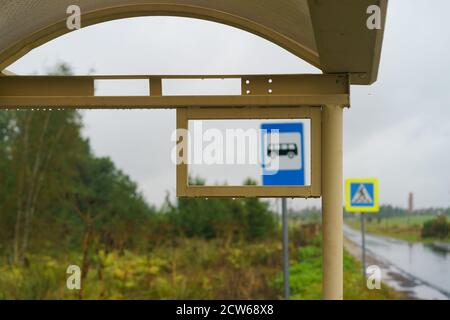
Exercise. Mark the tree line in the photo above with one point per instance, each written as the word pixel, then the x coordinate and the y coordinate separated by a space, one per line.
pixel 57 196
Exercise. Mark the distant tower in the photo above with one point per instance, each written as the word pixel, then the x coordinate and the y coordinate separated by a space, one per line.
pixel 411 202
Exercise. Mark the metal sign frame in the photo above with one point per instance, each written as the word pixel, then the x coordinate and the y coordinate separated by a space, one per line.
pixel 300 112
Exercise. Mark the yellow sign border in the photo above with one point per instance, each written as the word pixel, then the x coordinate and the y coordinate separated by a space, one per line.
pixel 349 208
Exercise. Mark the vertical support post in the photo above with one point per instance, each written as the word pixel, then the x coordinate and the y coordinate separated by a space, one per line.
pixel 332 190
pixel 285 231
pixel 363 245
pixel 182 154
pixel 155 86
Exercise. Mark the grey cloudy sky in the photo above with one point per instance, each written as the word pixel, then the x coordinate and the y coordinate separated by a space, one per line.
pixel 397 129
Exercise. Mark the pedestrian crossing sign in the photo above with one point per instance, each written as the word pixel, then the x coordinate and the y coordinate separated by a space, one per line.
pixel 361 195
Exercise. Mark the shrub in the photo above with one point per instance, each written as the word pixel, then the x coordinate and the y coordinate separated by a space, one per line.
pixel 224 218
pixel 438 227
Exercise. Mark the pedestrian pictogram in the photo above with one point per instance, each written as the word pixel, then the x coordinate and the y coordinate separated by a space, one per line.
pixel 362 196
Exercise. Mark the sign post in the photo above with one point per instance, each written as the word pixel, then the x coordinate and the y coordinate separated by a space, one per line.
pixel 285 248
pixel 283 164
pixel 363 245
pixel 362 196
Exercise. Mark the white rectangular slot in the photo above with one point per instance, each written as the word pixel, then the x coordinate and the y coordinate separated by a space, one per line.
pixel 122 87
pixel 201 87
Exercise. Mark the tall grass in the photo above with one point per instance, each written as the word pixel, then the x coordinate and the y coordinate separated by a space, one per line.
pixel 190 269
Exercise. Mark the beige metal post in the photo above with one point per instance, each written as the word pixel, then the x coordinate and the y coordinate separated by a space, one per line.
pixel 332 219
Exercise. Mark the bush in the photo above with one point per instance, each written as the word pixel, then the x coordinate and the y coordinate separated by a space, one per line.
pixel 304 234
pixel 225 218
pixel 438 227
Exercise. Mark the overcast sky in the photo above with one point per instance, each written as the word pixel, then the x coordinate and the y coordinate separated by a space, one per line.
pixel 397 129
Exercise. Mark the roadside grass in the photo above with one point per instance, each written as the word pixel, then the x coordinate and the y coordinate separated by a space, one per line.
pixel 406 228
pixel 188 268
pixel 306 278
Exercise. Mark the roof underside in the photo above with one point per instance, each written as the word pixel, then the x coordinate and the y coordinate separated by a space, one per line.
pixel 331 35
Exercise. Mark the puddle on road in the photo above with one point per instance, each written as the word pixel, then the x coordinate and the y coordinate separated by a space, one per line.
pixel 419 271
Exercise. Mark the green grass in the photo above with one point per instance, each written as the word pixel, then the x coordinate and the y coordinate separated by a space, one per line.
pixel 306 278
pixel 406 228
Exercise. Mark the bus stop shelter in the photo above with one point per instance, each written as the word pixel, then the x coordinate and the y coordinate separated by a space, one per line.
pixel 331 35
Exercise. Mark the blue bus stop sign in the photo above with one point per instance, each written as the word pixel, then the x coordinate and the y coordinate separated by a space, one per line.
pixel 283 159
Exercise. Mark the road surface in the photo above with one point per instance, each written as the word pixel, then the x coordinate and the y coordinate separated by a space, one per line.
pixel 419 270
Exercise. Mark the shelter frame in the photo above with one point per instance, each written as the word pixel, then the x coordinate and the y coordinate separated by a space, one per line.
pixel 349 53
pixel 326 94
